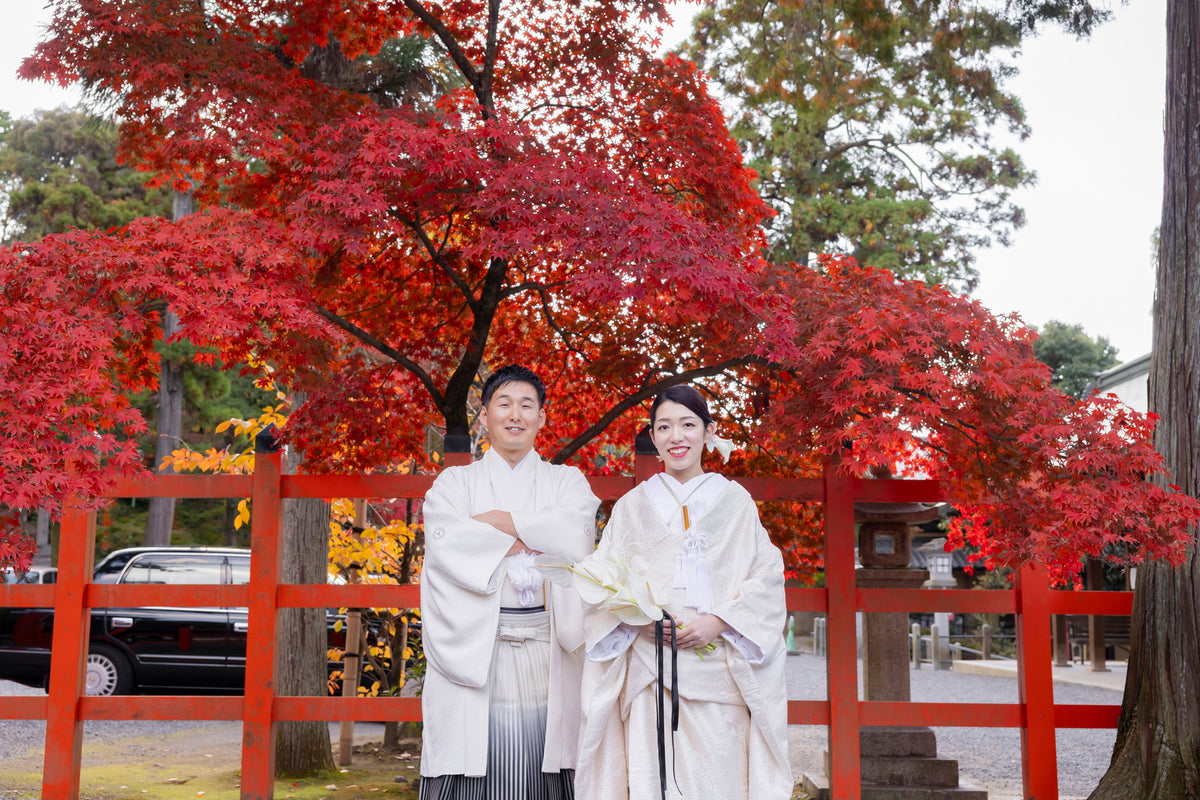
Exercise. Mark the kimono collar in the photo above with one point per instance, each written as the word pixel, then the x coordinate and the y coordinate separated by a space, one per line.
pixel 496 461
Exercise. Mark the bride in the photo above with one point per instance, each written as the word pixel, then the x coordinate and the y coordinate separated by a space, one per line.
pixel 695 537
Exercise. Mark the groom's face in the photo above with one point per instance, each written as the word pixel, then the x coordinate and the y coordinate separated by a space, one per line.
pixel 513 418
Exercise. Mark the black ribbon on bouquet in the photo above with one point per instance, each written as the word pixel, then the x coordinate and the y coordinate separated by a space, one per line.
pixel 662 732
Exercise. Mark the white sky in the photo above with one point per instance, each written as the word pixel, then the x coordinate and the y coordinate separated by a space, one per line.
pixel 1095 108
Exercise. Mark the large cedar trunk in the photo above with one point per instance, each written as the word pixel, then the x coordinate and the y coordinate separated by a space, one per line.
pixel 1157 753
pixel 168 429
pixel 168 425
pixel 302 748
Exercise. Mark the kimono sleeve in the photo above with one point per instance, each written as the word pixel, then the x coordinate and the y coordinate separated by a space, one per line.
pixel 459 550
pixel 568 527
pixel 757 609
pixel 604 635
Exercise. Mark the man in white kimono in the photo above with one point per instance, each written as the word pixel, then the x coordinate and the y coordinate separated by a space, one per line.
pixel 504 649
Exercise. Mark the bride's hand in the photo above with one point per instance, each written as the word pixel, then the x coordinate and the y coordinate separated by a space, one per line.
pixel 647 631
pixel 700 631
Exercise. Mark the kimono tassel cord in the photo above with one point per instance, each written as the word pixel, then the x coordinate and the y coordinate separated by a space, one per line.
pixel 662 734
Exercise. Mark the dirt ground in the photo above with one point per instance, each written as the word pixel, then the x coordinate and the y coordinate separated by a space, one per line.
pixel 205 761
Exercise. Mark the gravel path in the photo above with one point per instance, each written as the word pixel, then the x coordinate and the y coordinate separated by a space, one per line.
pixel 22 739
pixel 988 758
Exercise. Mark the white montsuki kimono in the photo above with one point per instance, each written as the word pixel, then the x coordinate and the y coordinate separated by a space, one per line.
pixel 462 581
pixel 732 739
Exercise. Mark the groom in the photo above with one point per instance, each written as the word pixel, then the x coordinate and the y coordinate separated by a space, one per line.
pixel 504 650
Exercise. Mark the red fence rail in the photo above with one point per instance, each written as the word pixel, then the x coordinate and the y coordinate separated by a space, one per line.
pixel 66 708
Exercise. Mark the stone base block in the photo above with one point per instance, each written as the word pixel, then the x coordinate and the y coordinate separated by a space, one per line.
pixel 897 742
pixel 817 788
pixel 931 772
pixel 941 773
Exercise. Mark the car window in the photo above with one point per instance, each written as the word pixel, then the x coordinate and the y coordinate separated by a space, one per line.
pixel 174 569
pixel 239 570
pixel 110 569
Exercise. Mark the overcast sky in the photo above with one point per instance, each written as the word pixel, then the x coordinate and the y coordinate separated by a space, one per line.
pixel 1095 108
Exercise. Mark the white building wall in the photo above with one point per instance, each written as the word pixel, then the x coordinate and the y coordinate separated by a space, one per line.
pixel 1129 381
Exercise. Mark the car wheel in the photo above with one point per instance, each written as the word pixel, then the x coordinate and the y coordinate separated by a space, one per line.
pixel 108 672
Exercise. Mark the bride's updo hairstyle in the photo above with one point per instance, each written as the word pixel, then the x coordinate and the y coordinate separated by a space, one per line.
pixel 685 395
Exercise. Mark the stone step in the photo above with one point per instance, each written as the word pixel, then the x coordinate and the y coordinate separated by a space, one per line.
pixel 897 742
pixel 817 788
pixel 929 772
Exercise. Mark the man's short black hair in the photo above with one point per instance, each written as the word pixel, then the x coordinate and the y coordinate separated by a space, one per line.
pixel 513 373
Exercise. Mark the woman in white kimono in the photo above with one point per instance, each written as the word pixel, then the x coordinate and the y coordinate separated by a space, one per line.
pixel 696 538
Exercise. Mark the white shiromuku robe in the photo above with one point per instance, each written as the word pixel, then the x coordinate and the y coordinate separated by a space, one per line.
pixel 732 740
pixel 462 582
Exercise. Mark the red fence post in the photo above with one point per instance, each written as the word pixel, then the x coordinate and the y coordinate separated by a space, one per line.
pixel 68 655
pixel 266 555
pixel 845 770
pixel 645 458
pixel 1035 682
pixel 456 450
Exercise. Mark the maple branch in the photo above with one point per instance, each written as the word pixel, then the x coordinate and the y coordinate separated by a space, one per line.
pixel 532 286
pixel 549 104
pixel 450 43
pixel 435 255
pixel 643 394
pixel 459 385
pixel 541 289
pixel 489 57
pixel 740 423
pixel 369 339
pixel 480 79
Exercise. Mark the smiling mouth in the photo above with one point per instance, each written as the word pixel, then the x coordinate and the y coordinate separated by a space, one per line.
pixel 678 451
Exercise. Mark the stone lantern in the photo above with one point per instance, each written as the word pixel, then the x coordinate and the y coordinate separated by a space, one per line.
pixel 941 576
pixel 897 762
pixel 941 565
pixel 884 550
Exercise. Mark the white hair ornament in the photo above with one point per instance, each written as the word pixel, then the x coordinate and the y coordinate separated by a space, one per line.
pixel 722 446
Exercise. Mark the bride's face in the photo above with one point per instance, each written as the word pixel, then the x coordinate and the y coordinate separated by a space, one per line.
pixel 679 436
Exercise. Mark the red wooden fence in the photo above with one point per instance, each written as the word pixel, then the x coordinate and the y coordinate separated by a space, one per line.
pixel 65 708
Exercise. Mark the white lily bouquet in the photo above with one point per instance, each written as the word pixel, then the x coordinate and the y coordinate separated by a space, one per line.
pixel 612 586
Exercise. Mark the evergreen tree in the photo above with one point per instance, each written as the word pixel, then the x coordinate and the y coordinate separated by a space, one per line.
pixel 871 125
pixel 59 171
pixel 1074 357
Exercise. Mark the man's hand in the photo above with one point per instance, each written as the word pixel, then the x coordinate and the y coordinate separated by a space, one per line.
pixel 500 520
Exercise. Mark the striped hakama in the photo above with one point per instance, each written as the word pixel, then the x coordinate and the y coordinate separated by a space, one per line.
pixel 519 683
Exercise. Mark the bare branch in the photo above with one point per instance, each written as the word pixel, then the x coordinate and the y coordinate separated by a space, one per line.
pixel 385 349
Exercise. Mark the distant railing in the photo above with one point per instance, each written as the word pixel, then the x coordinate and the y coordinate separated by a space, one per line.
pixel 66 707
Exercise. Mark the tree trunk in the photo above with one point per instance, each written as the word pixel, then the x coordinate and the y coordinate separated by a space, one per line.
pixel 1157 753
pixel 302 748
pixel 43 534
pixel 231 533
pixel 168 425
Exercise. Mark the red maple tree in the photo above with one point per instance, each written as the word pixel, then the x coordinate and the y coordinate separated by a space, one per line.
pixel 399 195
